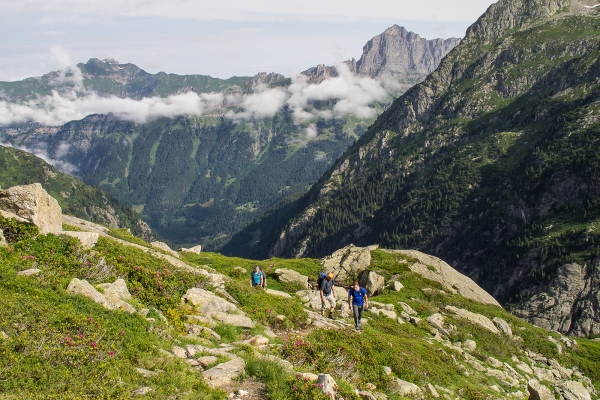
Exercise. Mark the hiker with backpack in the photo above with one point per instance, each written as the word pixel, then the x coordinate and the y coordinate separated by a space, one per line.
pixel 357 300
pixel 257 277
pixel 326 284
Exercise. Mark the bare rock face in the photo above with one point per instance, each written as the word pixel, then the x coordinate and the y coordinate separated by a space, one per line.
pixel 35 205
pixel 347 263
pixel 569 303
pixel 435 269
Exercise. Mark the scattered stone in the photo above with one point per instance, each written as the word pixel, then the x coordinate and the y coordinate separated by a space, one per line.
pixel 525 368
pixel 35 205
pixel 290 276
pixel 538 391
pixel 280 317
pixel 87 239
pixel 192 363
pixel 234 319
pixel 347 263
pixel 407 309
pixel 207 303
pixel 3 335
pixel 309 376
pixel 387 370
pixel 503 326
pixel 543 374
pixel 414 320
pixel 201 319
pixel 474 318
pixel 3 242
pixel 370 386
pixel 372 282
pixel 278 293
pixel 201 331
pixel 164 247
pixel 400 320
pixel 239 271
pixel 192 250
pixel 495 363
pixel 270 334
pixel 29 272
pixel 366 395
pixel 143 391
pixel 395 286
pixel 469 345
pixel 205 361
pixel 403 388
pixel 146 373
pixel 437 321
pixel 117 289
pixel 179 352
pixel 144 312
pixel 385 306
pixel 327 384
pixel 222 374
pixel 166 353
pixel 434 392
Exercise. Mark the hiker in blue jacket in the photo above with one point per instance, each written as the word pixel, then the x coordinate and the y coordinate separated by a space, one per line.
pixel 257 277
pixel 357 300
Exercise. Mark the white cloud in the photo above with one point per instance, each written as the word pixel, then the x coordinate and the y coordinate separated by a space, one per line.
pixel 311 131
pixel 61 165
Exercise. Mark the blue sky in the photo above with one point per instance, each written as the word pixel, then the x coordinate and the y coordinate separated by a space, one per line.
pixel 218 38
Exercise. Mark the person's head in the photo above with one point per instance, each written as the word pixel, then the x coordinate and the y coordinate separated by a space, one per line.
pixel 256 268
pixel 355 285
pixel 329 276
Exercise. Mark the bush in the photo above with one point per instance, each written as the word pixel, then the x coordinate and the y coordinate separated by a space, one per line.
pixel 15 231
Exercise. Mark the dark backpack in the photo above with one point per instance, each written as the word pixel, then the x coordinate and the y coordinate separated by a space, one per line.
pixel 322 277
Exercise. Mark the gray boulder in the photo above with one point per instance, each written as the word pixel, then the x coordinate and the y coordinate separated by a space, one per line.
pixel 207 303
pixel 164 247
pixel 34 204
pixel 403 388
pixel 395 286
pixel 29 272
pixel 278 293
pixel 112 302
pixel 573 390
pixel 474 318
pixel 372 282
pixel 503 326
pixel 290 276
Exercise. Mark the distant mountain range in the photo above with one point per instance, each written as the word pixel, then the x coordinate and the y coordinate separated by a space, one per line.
pixel 198 179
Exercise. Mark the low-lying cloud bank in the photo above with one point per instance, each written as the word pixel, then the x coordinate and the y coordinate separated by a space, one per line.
pixel 61 165
pixel 352 95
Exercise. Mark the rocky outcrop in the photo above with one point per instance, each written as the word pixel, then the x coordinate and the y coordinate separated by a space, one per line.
pixel 437 270
pixel 569 303
pixel 164 247
pixel 34 204
pixel 347 263
pixel 111 301
pixel 193 250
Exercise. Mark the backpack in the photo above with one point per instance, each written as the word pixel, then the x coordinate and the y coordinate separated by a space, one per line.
pixel 322 277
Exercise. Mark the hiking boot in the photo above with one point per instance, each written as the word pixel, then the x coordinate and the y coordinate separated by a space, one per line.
pixel 331 316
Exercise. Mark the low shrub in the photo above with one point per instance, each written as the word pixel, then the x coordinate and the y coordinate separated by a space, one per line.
pixel 15 231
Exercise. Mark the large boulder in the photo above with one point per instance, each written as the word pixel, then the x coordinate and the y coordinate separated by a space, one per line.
pixel 437 270
pixel 34 204
pixel 503 326
pixel 207 303
pixel 192 250
pixel 327 385
pixel 290 276
pixel 372 282
pixel 538 391
pixel 112 301
pixel 347 263
pixel 573 390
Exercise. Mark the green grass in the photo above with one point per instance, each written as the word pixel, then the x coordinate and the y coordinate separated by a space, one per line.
pixel 125 234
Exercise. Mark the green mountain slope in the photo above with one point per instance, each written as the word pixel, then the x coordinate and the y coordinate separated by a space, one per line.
pixel 490 163
pixel 57 344
pixel 75 198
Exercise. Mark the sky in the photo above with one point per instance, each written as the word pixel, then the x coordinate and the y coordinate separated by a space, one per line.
pixel 218 38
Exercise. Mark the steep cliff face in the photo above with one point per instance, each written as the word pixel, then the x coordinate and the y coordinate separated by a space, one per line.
pixel 397 55
pixel 490 163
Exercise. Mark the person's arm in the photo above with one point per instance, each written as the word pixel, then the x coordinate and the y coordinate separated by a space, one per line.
pixel 350 300
pixel 366 301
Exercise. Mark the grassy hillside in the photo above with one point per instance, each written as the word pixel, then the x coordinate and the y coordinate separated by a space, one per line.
pixel 58 345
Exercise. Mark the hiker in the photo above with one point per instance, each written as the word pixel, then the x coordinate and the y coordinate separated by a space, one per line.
pixel 357 300
pixel 327 294
pixel 257 277
pixel 264 279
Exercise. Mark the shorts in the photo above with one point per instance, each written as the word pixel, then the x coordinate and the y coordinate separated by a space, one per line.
pixel 329 298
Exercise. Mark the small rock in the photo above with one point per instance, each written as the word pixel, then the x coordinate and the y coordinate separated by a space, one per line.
pixel 146 373
pixel 164 247
pixel 389 314
pixel 142 391
pixel 414 320
pixel 87 239
pixel 387 370
pixel 396 286
pixel 205 361
pixel 309 376
pixel 470 345
pixel 241 393
pixel 29 272
pixel 327 384
pixel 144 312
pixel 434 392
pixel 407 309
pixel 278 293
pixel 3 335
pixel 3 242
pixel 372 282
pixel 34 204
pixel 400 320
pixel 222 374
pixel 370 386
pixel 495 363
pixel 192 363
pixel 403 388
pixel 474 318
pixel 280 317
pixel 366 395
pixel 179 352
pixel 573 390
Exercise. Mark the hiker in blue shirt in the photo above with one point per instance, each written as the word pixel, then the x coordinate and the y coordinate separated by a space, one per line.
pixel 257 277
pixel 357 300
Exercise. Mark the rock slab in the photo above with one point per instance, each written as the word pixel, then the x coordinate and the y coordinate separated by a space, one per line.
pixel 222 375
